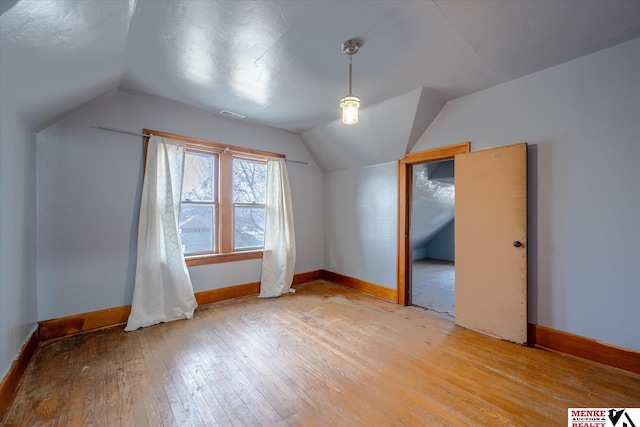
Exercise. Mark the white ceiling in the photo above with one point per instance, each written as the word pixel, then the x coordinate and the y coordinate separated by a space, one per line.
pixel 280 62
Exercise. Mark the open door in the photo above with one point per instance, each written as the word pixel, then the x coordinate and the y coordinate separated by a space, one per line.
pixel 491 242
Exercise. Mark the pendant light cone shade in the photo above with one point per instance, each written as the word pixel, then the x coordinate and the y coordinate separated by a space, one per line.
pixel 350 103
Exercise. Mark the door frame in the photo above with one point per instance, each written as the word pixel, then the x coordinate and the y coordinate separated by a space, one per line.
pixel 405 196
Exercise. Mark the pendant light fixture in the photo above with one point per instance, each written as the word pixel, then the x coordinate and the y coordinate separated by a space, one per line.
pixel 350 103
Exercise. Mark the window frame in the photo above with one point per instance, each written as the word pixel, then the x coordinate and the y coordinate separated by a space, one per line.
pixel 225 212
pixel 246 204
pixel 215 203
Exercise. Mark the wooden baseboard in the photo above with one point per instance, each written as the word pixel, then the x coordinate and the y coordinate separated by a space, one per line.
pixel 309 276
pixel 587 348
pixel 214 295
pixel 10 381
pixel 100 319
pixel 368 288
pixel 78 323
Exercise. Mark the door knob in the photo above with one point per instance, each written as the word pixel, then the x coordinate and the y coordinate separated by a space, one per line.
pixel 517 244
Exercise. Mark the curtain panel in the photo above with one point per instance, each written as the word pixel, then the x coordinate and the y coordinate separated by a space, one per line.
pixel 279 254
pixel 163 289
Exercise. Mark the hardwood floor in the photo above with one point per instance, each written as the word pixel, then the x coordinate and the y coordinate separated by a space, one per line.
pixel 324 356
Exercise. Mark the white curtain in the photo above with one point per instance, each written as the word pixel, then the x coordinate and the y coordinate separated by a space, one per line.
pixel 163 290
pixel 279 255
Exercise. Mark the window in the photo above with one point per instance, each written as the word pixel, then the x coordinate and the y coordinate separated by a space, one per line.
pixel 198 210
pixel 249 188
pixel 223 201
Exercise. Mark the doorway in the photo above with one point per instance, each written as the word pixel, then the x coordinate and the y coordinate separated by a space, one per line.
pixel 405 208
pixel 432 237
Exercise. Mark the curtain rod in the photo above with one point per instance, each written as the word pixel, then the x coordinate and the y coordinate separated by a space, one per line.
pixel 149 136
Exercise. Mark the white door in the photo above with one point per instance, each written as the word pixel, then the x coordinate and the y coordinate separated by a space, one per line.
pixel 491 242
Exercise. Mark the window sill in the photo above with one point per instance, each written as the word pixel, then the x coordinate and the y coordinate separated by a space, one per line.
pixel 219 258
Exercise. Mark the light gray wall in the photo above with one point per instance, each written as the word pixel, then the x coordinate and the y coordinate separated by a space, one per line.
pixel 360 216
pixel 441 246
pixel 18 300
pixel 432 204
pixel 89 184
pixel 582 121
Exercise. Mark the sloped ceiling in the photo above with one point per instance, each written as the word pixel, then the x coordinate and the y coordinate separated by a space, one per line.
pixel 386 131
pixel 433 202
pixel 279 62
pixel 56 56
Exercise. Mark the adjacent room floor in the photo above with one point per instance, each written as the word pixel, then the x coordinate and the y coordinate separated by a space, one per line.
pixel 433 286
pixel 324 356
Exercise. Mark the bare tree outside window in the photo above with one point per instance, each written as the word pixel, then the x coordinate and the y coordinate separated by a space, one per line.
pixel 198 208
pixel 249 189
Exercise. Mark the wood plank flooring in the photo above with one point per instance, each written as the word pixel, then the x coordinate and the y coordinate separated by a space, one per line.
pixel 324 356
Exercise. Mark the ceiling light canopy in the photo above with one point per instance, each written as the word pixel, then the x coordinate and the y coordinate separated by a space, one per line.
pixel 350 103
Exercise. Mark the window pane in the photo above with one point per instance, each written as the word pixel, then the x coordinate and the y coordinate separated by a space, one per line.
pixel 197 228
pixel 249 181
pixel 249 227
pixel 198 184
